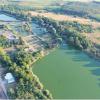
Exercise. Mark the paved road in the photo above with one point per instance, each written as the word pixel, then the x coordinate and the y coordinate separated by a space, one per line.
pixel 3 94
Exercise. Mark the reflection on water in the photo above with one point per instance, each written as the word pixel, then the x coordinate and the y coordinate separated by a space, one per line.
pixel 69 73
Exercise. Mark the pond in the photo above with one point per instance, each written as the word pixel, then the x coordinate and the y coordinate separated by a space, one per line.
pixel 4 17
pixel 35 27
pixel 66 72
pixel 69 74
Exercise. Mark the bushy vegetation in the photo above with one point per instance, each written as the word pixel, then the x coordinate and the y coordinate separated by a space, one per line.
pixel 15 11
pixel 67 31
pixel 28 85
pixel 77 40
pixel 58 30
pixel 22 58
pixel 5 43
pixel 52 27
pixel 82 28
pixel 25 28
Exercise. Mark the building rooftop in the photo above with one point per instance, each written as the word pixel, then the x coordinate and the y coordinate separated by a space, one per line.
pixel 9 77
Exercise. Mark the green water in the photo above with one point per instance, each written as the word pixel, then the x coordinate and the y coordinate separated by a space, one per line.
pixel 68 73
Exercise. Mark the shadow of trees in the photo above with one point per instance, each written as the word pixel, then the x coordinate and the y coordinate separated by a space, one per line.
pixel 78 56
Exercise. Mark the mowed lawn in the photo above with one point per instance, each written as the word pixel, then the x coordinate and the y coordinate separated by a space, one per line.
pixel 69 74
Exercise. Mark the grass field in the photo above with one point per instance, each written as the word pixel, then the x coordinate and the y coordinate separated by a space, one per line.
pixel 62 17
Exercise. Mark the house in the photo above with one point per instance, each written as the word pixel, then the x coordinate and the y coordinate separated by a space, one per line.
pixel 9 77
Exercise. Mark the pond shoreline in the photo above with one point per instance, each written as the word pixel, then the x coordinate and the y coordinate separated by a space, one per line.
pixel 64 64
pixel 12 15
pixel 61 59
pixel 18 18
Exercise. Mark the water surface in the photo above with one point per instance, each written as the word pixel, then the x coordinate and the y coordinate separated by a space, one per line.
pixel 5 17
pixel 68 73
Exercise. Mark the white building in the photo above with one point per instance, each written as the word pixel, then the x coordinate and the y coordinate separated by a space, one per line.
pixel 9 77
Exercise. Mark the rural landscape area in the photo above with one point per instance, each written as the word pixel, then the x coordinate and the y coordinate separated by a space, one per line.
pixel 49 49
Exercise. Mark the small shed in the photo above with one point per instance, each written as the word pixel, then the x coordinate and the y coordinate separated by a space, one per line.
pixel 9 77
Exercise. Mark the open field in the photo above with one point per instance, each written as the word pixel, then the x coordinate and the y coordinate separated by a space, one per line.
pixel 60 17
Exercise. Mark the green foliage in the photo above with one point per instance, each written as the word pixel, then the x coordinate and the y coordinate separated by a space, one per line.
pixel 22 58
pixel 51 26
pixel 67 31
pixel 86 10
pixel 16 11
pixel 4 42
pixel 77 26
pixel 28 85
pixel 77 40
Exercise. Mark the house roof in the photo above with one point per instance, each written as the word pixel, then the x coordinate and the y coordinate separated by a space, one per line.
pixel 9 77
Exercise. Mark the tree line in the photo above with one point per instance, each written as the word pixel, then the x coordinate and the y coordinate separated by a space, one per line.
pixel 28 85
